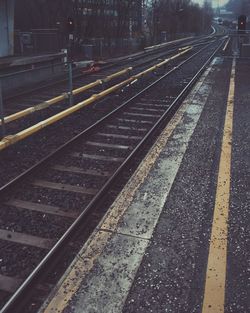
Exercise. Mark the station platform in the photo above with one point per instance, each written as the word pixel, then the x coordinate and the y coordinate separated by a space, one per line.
pixel 177 237
pixel 17 61
pixel 26 72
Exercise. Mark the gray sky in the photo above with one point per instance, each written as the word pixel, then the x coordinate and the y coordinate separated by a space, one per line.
pixel 215 2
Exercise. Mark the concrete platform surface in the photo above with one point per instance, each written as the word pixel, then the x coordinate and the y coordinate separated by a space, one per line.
pixel 14 61
pixel 177 237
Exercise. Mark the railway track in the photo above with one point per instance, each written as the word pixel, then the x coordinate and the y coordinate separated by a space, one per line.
pixel 28 153
pixel 103 69
pixel 44 208
pixel 39 94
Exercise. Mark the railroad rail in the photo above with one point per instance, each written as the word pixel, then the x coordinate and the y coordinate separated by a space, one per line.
pixel 9 140
pixel 34 114
pixel 82 81
pixel 61 191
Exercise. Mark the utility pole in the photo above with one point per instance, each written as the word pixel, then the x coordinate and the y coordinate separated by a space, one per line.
pixel 2 112
pixel 71 28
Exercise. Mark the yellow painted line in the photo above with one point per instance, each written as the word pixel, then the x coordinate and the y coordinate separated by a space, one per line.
pixel 97 242
pixel 79 269
pixel 77 272
pixel 214 295
pixel 12 139
pixel 127 194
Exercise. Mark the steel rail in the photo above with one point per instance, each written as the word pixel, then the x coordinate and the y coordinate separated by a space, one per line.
pixel 59 150
pixel 63 96
pixel 64 146
pixel 172 45
pixel 19 295
pixel 78 75
pixel 12 139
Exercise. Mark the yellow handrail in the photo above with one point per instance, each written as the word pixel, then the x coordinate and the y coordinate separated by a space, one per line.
pixel 62 97
pixel 11 139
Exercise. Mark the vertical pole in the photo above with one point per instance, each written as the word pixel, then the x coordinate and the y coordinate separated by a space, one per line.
pixel 70 83
pixel 101 48
pixel 2 112
pixel 71 38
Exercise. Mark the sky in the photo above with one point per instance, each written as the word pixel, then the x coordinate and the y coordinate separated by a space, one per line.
pixel 215 2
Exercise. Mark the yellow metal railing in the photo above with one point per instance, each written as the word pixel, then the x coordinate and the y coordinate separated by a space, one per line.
pixel 11 139
pixel 63 96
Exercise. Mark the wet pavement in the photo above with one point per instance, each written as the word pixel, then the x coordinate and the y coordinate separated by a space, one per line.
pixel 150 252
pixel 238 273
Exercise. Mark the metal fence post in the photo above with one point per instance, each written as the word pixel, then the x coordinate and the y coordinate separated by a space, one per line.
pixel 2 112
pixel 70 59
pixel 70 83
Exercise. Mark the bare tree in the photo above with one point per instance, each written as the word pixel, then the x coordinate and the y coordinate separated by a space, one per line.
pixel 239 6
pixel 177 17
